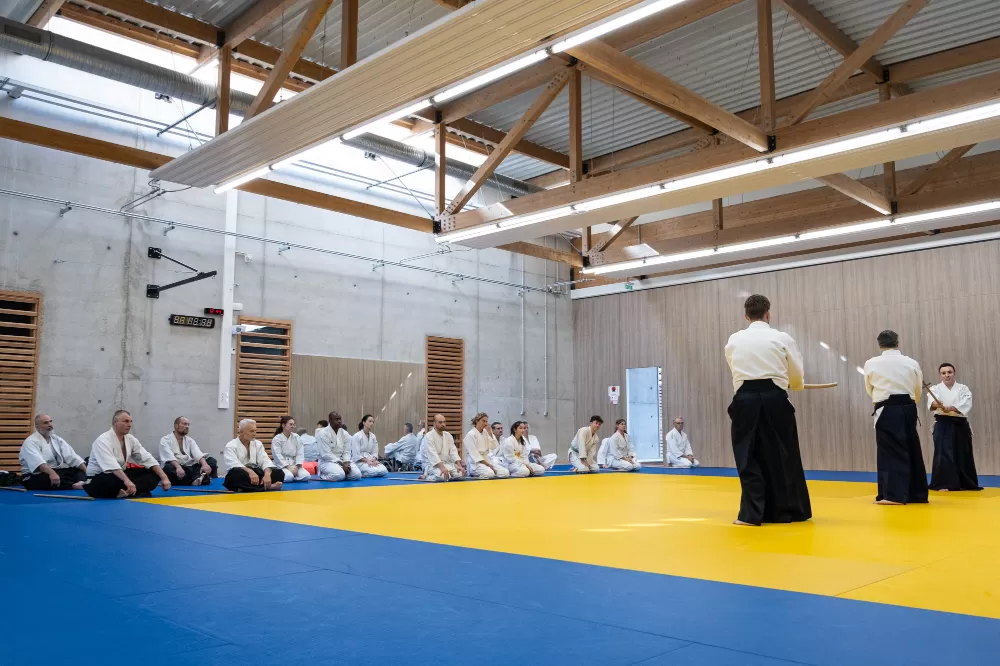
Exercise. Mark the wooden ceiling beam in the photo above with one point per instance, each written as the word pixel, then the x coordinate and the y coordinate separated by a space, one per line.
pixel 617 230
pixel 765 58
pixel 936 170
pixel 504 148
pixel 858 191
pixel 835 38
pixel 348 33
pixel 257 17
pixel 653 85
pixel 460 131
pixel 532 250
pixel 41 16
pixel 311 19
pixel 855 60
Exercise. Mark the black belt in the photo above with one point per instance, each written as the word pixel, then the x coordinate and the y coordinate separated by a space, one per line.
pixel 758 385
pixel 894 399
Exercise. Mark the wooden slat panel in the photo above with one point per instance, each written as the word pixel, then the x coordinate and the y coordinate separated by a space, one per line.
pixel 263 380
pixel 18 372
pixel 446 383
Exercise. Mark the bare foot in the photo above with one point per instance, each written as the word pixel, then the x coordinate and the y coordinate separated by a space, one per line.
pixel 196 482
pixel 276 486
pixel 888 503
pixel 122 494
pixel 78 485
pixel 943 490
pixel 740 522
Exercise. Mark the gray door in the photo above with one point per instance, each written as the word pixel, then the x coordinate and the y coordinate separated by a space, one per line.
pixel 642 409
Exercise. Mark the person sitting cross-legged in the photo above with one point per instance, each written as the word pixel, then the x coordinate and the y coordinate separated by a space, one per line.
pixel 248 467
pixel 48 462
pixel 439 455
pixel 289 452
pixel 182 460
pixel 109 476
pixel 621 454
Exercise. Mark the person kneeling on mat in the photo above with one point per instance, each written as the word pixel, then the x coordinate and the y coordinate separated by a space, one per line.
pixel 107 468
pixel 585 446
pixel 621 454
pixel 289 452
pixel 248 468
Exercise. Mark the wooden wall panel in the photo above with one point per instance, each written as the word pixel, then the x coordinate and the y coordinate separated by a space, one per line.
pixel 446 383
pixel 944 303
pixel 393 391
pixel 263 375
pixel 20 322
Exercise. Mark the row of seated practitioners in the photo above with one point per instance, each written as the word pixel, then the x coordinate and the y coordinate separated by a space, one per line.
pixel 119 466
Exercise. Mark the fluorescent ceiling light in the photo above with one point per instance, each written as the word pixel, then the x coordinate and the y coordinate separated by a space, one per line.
pixel 490 76
pixel 627 18
pixel 954 119
pixel 837 147
pixel 402 113
pixel 305 154
pixel 615 199
pixel 236 182
pixel 860 227
pixel 511 223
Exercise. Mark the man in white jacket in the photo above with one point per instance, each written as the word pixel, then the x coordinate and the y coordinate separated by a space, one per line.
pixel 334 445
pixel 48 462
pixel 439 455
pixel 182 460
pixel 585 446
pixel 108 471
pixel 535 450
pixel 679 453
pixel 248 467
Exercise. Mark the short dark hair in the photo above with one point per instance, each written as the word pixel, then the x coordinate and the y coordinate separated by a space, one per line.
pixel 495 424
pixel 946 365
pixel 117 414
pixel 322 424
pixel 408 427
pixel 178 420
pixel 597 418
pixel 756 306
pixel 619 422
pixel 888 339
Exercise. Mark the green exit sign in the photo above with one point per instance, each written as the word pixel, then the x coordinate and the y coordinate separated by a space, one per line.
pixel 628 286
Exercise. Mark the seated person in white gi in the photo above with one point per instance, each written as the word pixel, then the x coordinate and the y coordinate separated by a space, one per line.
pixel 288 451
pixel 498 437
pixel 621 453
pixel 438 452
pixel 182 460
pixel 48 462
pixel 109 476
pixel 679 447
pixel 405 450
pixel 310 452
pixel 364 449
pixel 515 454
pixel 334 446
pixel 477 445
pixel 584 447
pixel 535 450
pixel 248 467
pixel 603 460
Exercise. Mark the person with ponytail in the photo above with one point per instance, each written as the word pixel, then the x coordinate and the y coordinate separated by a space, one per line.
pixel 477 445
pixel 288 452
pixel 364 449
pixel 515 453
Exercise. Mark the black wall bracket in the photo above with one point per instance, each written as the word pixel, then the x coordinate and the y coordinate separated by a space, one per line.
pixel 153 290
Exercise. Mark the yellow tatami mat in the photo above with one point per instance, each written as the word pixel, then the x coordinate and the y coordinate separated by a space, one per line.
pixel 937 556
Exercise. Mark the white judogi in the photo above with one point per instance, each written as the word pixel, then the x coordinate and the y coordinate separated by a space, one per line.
pixel 405 450
pixel 310 452
pixel 237 455
pixel 477 446
pixel 762 352
pixel 584 445
pixel 335 448
pixel 515 459
pixel 439 448
pixel 621 448
pixel 534 447
pixel 106 454
pixel 891 373
pixel 679 445
pixel 186 455
pixel 958 396
pixel 366 447
pixel 603 459
pixel 289 452
pixel 54 452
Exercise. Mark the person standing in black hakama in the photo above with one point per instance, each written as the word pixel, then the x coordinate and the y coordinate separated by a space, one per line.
pixel 765 364
pixel 954 465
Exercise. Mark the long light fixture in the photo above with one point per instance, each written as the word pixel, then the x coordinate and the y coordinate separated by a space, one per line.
pixel 246 178
pixel 625 19
pixel 860 227
pixel 837 147
pixel 490 76
pixel 466 234
pixel 385 120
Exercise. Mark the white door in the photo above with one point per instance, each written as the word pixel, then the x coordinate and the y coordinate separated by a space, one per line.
pixel 642 411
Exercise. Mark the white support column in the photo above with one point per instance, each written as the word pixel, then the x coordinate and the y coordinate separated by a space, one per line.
pixel 228 282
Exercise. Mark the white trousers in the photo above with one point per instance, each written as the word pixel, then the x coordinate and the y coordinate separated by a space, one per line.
pixel 483 471
pixel 578 465
pixel 301 475
pixel 519 470
pixel 546 461
pixel 335 472
pixel 432 473
pixel 368 471
pixel 625 465
pixel 681 462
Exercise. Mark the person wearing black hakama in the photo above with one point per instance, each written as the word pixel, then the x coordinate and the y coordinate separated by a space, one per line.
pixel 954 465
pixel 765 364
pixel 894 382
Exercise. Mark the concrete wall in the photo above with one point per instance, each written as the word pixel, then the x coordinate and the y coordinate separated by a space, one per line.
pixel 105 345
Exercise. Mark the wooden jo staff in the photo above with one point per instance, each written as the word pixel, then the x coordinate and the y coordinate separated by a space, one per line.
pixel 927 387
pixel 819 386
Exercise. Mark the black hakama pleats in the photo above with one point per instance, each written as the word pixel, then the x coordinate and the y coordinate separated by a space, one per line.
pixel 902 476
pixel 954 465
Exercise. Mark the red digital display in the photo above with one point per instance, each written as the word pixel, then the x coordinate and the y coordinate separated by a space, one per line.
pixel 213 311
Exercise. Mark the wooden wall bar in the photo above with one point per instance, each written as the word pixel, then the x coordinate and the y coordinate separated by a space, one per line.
pixel 944 303
pixel 393 391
